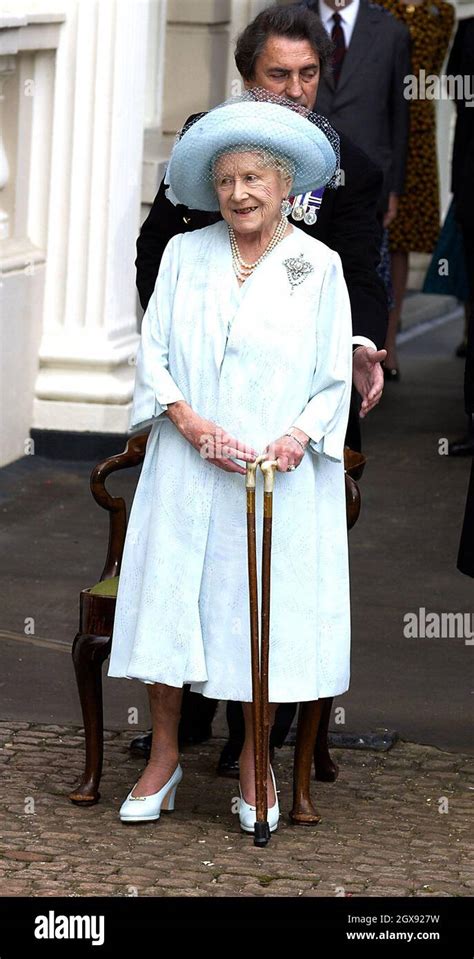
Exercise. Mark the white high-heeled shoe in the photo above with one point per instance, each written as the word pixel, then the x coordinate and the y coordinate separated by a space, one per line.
pixel 247 813
pixel 148 808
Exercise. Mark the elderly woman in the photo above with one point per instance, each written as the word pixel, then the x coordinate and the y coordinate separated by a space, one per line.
pixel 245 348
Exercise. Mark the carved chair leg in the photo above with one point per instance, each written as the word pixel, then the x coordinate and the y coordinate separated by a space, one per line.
pixel 326 768
pixel 309 715
pixel 89 653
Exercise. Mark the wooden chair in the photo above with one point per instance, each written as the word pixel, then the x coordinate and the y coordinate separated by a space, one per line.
pixel 93 640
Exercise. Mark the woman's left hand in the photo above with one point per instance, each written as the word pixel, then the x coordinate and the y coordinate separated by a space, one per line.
pixel 287 451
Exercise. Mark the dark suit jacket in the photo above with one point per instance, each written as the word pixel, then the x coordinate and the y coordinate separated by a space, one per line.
pixel 461 63
pixel 368 103
pixel 347 223
pixel 466 546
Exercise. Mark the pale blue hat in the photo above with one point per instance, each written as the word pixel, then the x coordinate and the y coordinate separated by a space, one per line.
pixel 250 123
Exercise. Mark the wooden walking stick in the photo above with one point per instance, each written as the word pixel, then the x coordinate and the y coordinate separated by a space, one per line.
pixel 260 657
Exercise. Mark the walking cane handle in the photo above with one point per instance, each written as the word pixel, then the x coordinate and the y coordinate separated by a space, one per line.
pixel 268 468
pixel 250 476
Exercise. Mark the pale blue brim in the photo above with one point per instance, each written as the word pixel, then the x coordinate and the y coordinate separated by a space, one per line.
pixel 256 125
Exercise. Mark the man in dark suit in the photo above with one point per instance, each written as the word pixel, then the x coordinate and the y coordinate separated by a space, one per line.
pixel 364 96
pixel 283 51
pixel 461 64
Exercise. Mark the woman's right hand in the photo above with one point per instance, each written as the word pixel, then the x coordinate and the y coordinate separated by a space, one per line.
pixel 211 441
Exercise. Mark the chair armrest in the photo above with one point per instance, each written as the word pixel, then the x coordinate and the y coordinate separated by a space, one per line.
pixel 132 455
pixel 354 463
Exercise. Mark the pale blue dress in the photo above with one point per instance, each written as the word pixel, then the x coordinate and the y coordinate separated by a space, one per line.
pixel 256 360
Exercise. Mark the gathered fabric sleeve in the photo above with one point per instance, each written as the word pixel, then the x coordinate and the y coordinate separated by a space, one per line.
pixel 324 418
pixel 154 386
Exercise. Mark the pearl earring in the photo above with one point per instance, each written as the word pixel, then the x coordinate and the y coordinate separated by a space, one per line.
pixel 286 206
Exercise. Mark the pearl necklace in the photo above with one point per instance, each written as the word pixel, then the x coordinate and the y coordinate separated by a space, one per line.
pixel 242 269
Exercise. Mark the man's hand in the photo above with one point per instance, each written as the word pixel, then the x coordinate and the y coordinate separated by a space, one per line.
pixel 391 211
pixel 368 376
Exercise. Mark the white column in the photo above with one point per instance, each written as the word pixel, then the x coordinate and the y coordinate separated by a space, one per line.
pixel 155 63
pixel 40 150
pixel 85 380
pixel 7 67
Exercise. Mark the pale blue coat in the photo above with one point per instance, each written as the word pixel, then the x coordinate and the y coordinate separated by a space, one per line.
pixel 256 360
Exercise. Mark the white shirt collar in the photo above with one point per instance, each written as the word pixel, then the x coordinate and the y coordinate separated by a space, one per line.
pixel 348 15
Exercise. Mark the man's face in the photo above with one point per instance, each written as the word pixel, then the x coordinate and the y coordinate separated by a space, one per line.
pixel 289 68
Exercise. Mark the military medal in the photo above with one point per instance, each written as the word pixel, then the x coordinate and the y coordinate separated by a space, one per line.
pixel 304 207
pixel 310 217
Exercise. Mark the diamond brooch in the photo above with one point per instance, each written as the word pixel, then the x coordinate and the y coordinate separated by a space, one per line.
pixel 297 270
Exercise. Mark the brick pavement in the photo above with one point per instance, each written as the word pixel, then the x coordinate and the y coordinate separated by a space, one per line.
pixel 382 832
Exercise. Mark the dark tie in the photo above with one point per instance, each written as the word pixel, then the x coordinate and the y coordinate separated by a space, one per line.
pixel 337 36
